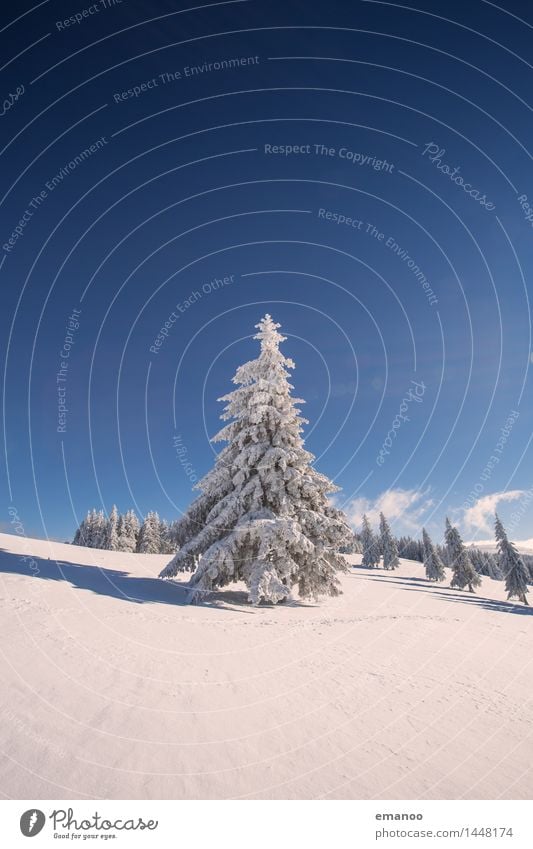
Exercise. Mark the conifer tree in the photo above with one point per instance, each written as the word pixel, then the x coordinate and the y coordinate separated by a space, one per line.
pixel 388 546
pixel 112 542
pixel 464 574
pixel 82 534
pixel 369 544
pixel 99 530
pixel 166 545
pixel 511 565
pixel 432 562
pixel 90 532
pixel 93 530
pixel 263 516
pixel 128 531
pixel 149 536
pixel 134 527
pixel 120 530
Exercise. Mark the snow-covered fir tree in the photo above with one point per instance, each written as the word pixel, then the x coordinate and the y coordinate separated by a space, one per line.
pixel 120 531
pixel 388 546
pixel 263 516
pixel 166 544
pixel 92 530
pixel 128 531
pixel 432 563
pixel 464 574
pixel 89 531
pixel 83 533
pixel 98 529
pixel 149 541
pixel 112 542
pixel 369 545
pixel 512 565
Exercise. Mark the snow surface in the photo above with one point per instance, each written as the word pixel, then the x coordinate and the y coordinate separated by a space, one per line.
pixel 112 688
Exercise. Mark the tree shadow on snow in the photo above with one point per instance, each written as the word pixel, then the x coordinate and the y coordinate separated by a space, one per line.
pixel 121 585
pixel 415 584
pixel 239 598
pixel 97 579
pixel 487 603
pixel 384 574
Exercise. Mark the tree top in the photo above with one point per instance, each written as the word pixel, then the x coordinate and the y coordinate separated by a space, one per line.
pixel 268 333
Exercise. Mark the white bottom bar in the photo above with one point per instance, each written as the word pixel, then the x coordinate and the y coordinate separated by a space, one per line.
pixel 268 824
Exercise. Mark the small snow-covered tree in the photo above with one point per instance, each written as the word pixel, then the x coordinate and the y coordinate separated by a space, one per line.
pixel 388 546
pixel 128 531
pixel 433 564
pixel 166 544
pixel 464 574
pixel 134 527
pixel 99 530
pixel 369 544
pixel 263 516
pixel 120 530
pixel 92 530
pixel 95 529
pixel 112 542
pixel 82 535
pixel 512 565
pixel 149 536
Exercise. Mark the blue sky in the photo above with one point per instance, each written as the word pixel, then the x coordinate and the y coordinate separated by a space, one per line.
pixel 359 170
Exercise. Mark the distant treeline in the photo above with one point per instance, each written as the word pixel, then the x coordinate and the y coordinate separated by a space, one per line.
pixel 410 548
pixel 484 562
pixel 124 532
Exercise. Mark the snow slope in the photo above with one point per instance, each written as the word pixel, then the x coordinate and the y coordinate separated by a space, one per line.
pixel 113 689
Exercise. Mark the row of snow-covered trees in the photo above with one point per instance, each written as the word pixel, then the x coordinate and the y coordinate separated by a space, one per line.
pixel 376 546
pixel 466 564
pixel 263 514
pixel 484 562
pixel 124 532
pixel 510 563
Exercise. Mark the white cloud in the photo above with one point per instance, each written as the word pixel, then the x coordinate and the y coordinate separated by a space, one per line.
pixel 404 508
pixel 480 517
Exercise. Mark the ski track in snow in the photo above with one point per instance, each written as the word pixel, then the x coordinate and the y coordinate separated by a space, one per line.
pixel 395 690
